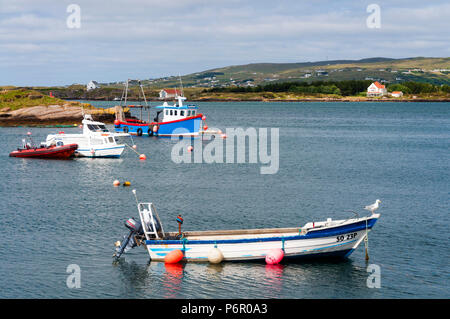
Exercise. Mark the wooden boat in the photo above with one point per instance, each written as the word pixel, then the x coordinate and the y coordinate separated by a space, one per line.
pixel 57 152
pixel 330 238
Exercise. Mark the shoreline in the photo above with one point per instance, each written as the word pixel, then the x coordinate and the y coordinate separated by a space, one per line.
pixel 285 100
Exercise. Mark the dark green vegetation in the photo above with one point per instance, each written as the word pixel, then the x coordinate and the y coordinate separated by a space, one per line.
pixel 343 88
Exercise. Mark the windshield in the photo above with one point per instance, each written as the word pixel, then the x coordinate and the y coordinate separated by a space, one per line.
pixel 97 128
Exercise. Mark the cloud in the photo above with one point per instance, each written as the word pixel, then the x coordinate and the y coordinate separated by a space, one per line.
pixel 149 38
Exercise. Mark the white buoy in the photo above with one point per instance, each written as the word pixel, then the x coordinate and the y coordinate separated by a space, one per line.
pixel 116 183
pixel 215 256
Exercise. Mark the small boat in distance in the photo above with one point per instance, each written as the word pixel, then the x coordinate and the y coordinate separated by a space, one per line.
pixel 330 238
pixel 177 120
pixel 29 150
pixel 94 141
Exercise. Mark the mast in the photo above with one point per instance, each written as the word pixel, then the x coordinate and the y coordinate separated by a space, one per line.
pixel 126 92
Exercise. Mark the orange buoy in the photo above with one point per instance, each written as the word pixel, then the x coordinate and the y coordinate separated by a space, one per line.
pixel 155 128
pixel 116 183
pixel 142 157
pixel 190 148
pixel 173 257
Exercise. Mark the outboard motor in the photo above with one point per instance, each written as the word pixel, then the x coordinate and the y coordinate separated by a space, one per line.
pixel 129 242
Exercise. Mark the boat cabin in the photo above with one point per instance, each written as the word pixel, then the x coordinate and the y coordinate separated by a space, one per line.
pixel 178 111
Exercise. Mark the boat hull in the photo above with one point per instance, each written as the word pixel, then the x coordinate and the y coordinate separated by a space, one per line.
pixel 113 152
pixel 335 241
pixel 189 126
pixel 54 152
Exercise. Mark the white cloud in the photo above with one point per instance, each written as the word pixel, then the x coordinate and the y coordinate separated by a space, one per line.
pixel 192 35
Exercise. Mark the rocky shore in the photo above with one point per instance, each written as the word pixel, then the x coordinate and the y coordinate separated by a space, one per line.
pixel 65 114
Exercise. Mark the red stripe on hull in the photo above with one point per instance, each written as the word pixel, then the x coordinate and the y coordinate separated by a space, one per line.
pixel 160 123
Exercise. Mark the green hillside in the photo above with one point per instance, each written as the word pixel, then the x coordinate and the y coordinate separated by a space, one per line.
pixel 429 70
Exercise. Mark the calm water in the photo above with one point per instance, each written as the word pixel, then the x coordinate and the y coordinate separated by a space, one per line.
pixel 333 157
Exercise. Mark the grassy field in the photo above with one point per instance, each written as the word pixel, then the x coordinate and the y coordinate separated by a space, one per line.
pixel 392 70
pixel 15 98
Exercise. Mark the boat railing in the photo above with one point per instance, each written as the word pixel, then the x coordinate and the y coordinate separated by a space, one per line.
pixel 150 221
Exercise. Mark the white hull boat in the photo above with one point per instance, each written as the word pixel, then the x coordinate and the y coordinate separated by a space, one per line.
pixel 95 141
pixel 331 238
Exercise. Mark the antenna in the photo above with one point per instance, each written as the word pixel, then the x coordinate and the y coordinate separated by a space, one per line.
pixel 181 83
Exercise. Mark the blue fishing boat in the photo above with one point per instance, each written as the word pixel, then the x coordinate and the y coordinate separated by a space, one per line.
pixel 178 119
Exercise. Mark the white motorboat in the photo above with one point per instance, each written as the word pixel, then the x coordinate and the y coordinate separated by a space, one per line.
pixel 94 141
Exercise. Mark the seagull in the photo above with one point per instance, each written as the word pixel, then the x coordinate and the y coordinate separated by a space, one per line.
pixel 374 206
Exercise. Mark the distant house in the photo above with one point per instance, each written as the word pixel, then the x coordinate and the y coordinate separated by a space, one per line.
pixel 92 85
pixel 376 89
pixel 397 94
pixel 169 94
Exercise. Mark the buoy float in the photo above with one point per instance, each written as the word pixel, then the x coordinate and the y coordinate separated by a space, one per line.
pixel 29 133
pixel 190 148
pixel 117 243
pixel 142 157
pixel 116 122
pixel 274 256
pixel 203 118
pixel 173 257
pixel 126 183
pixel 134 146
pixel 155 128
pixel 205 127
pixel 116 183
pixel 215 256
pixel 224 136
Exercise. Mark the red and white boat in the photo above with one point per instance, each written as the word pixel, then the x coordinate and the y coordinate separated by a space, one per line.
pixel 61 152
pixel 29 150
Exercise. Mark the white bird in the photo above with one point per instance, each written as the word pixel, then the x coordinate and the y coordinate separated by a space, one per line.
pixel 374 206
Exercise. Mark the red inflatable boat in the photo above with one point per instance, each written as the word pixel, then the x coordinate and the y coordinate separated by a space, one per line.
pixel 64 151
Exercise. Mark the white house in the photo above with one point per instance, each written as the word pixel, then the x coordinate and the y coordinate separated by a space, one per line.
pixel 397 94
pixel 92 85
pixel 376 89
pixel 169 94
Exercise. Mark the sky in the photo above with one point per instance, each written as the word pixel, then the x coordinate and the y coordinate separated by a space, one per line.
pixel 42 43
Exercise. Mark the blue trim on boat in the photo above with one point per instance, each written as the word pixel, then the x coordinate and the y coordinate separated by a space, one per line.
pixel 339 230
pixel 102 149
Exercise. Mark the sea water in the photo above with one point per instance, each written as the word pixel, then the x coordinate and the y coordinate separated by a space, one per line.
pixel 333 158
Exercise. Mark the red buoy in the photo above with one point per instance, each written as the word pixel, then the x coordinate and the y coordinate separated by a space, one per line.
pixel 203 118
pixel 205 127
pixel 173 257
pixel 274 256
pixel 190 148
pixel 116 122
